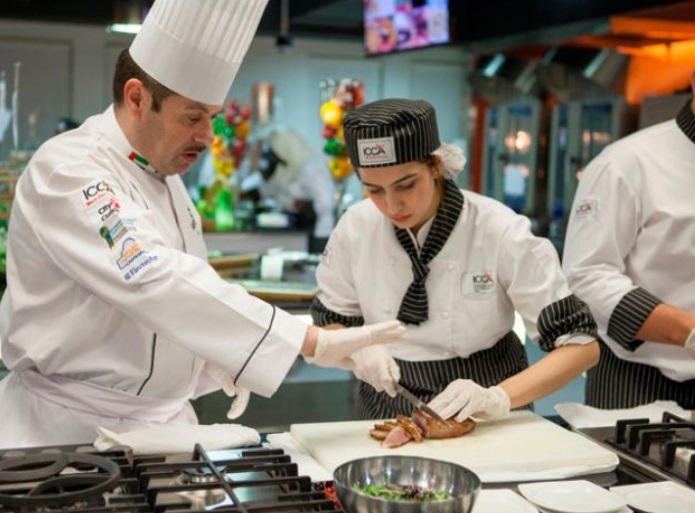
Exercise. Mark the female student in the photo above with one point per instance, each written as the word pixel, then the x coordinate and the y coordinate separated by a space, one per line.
pixel 453 266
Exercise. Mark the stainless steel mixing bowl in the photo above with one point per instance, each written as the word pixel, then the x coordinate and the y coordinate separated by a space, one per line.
pixel 427 474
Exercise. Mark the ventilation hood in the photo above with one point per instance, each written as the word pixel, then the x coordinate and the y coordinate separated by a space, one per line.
pixel 579 72
pixel 499 78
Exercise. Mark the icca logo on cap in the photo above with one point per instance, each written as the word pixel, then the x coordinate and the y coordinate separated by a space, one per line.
pixel 376 151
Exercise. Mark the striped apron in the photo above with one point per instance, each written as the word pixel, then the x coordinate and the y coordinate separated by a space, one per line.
pixel 426 379
pixel 617 383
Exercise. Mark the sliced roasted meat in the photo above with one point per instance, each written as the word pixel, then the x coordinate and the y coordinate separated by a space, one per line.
pixel 432 428
pixel 381 431
pixel 396 437
pixel 410 427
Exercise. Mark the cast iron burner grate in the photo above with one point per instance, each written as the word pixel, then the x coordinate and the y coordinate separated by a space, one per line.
pixel 253 480
pixel 669 445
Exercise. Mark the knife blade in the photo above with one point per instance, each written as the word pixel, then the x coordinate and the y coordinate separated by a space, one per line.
pixel 419 403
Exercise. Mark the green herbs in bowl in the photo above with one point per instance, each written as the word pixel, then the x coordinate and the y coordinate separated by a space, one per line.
pixel 405 484
pixel 403 493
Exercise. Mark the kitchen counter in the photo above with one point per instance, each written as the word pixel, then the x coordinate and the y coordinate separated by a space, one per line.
pixel 257 241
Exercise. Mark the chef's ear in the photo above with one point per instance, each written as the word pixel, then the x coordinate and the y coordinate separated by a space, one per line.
pixel 436 165
pixel 135 97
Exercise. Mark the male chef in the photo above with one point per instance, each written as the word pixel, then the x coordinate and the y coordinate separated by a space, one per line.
pixel 113 318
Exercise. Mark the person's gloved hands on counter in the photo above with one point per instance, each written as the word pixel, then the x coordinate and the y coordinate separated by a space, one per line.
pixel 465 398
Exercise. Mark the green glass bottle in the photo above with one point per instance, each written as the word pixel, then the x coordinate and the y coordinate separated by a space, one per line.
pixel 224 210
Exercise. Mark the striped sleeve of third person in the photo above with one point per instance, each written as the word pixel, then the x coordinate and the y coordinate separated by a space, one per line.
pixel 323 316
pixel 629 316
pixel 568 315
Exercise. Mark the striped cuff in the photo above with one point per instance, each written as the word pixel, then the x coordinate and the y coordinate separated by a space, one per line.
pixel 567 316
pixel 629 316
pixel 323 316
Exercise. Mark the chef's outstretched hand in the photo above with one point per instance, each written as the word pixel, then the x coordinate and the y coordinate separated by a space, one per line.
pixel 376 366
pixel 334 347
pixel 240 396
pixel 465 398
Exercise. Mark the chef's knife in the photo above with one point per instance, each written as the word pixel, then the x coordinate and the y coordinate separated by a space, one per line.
pixel 419 403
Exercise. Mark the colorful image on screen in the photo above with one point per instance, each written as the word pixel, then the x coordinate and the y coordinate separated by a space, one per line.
pixel 395 25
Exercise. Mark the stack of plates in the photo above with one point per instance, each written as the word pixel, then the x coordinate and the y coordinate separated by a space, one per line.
pixel 573 497
pixel 662 497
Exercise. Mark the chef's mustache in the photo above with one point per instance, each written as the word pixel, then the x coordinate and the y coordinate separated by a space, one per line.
pixel 198 148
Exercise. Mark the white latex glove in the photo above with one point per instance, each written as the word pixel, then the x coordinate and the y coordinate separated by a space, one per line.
pixel 334 347
pixel 240 395
pixel 690 344
pixel 376 366
pixel 465 398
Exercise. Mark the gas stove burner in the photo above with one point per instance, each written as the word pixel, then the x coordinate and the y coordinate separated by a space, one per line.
pixel 200 475
pixel 205 499
pixel 55 479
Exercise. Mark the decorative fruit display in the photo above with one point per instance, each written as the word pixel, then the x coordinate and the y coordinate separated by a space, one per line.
pixel 231 129
pixel 337 98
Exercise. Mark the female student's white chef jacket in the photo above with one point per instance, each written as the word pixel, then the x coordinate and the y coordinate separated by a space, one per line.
pixel 490 266
pixel 114 310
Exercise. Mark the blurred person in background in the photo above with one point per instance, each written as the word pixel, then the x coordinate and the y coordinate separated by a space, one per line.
pixel 112 316
pixel 298 179
pixel 453 266
pixel 629 254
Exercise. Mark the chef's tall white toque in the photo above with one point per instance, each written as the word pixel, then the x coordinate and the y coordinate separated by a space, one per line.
pixel 195 47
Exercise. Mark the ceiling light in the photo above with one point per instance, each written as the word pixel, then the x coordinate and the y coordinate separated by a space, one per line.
pixel 128 16
pixel 124 28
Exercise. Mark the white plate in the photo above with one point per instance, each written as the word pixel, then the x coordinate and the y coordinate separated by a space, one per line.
pixel 663 497
pixel 497 501
pixel 572 497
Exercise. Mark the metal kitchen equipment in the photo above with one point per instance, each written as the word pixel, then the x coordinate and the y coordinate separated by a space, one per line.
pixel 652 451
pixel 74 478
pixel 424 473
pixel 79 479
pixel 579 130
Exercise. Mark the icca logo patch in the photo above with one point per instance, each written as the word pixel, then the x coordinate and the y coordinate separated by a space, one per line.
pixel 586 208
pixel 478 283
pixel 376 151
pixel 95 192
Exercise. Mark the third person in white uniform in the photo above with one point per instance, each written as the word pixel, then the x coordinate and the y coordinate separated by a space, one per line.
pixel 629 254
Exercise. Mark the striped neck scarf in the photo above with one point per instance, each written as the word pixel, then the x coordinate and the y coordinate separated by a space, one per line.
pixel 686 121
pixel 414 308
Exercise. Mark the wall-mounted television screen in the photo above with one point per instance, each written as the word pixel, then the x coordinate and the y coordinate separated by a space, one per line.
pixel 396 25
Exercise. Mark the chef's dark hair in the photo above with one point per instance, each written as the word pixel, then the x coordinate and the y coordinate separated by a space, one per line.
pixel 126 68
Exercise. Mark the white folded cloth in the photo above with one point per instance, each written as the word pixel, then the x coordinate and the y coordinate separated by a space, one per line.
pixel 177 439
pixel 582 416
pixel 307 465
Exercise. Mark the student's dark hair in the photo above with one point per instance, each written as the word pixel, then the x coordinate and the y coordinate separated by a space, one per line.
pixel 126 68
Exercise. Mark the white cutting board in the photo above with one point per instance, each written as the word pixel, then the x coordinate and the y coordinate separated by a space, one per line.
pixel 524 446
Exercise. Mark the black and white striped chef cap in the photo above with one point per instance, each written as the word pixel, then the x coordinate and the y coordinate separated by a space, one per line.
pixel 389 132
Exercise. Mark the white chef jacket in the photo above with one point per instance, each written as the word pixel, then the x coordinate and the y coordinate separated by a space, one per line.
pixel 629 243
pixel 490 266
pixel 311 183
pixel 114 309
